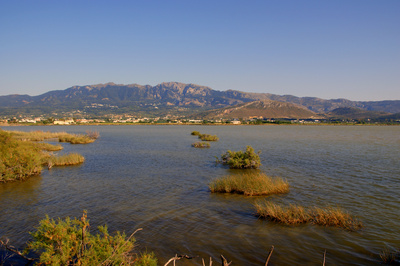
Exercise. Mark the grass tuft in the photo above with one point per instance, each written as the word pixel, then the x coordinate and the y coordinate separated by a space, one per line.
pixel 195 133
pixel 295 214
pixel 250 184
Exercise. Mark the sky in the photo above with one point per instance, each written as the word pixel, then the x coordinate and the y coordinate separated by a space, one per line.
pixel 327 49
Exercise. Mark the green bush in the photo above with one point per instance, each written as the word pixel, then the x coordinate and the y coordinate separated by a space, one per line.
pixel 240 159
pixel 69 242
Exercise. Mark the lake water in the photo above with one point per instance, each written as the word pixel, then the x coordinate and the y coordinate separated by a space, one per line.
pixel 150 177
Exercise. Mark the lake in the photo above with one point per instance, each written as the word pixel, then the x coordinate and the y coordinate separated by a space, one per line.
pixel 144 176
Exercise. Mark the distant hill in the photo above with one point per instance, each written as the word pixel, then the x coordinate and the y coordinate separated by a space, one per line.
pixel 355 113
pixel 165 98
pixel 260 109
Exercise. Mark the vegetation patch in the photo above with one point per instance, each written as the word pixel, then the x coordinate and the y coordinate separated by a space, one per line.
pixel 250 184
pixel 241 159
pixel 69 242
pixel 75 139
pixel 294 214
pixel 207 137
pixel 390 256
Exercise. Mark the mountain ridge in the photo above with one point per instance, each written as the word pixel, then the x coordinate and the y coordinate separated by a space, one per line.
pixel 172 97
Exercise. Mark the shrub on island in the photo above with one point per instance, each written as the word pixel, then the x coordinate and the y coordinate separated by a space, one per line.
pixel 250 184
pixel 207 137
pixel 195 133
pixel 241 159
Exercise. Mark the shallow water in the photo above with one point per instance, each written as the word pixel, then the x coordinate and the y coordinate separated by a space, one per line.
pixel 150 177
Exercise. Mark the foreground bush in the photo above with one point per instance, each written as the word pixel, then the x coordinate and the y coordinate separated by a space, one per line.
pixel 240 159
pixel 250 184
pixel 201 145
pixel 294 214
pixel 69 242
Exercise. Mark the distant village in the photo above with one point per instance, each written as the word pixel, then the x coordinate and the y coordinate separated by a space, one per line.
pixel 169 119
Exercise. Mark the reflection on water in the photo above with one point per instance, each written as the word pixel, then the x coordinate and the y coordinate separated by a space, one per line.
pixel 151 177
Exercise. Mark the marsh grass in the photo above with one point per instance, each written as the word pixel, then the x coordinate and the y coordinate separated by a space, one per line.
pixel 75 139
pixel 207 137
pixel 201 145
pixel 250 184
pixel 295 214
pixel 67 159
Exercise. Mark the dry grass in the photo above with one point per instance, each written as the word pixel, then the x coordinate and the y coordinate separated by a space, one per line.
pixel 250 184
pixel 294 214
pixel 67 159
pixel 75 139
pixel 201 145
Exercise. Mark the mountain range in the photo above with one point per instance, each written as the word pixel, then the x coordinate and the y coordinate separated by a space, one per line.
pixel 184 99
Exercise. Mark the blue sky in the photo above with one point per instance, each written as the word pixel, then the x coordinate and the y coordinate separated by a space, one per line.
pixel 326 49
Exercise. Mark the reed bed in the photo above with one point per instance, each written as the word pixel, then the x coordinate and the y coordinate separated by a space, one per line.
pixel 67 159
pixel 295 214
pixel 250 184
pixel 201 144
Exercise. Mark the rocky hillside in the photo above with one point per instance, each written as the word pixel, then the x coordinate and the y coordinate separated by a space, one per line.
pixel 260 109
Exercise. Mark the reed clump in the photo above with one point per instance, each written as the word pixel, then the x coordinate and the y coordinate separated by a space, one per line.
pixel 250 184
pixel 207 137
pixel 241 159
pixel 39 135
pixel 201 145
pixel 66 159
pixel 295 214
